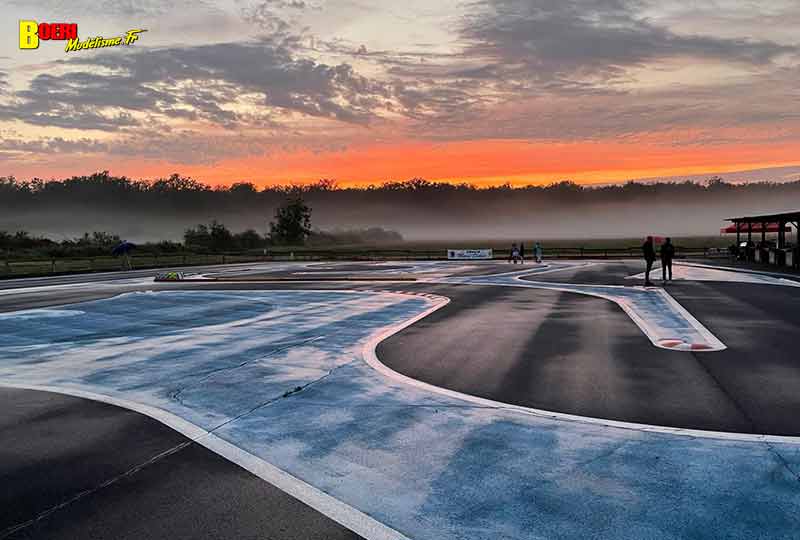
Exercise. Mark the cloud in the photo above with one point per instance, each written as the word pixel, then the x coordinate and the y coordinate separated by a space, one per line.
pixel 279 18
pixel 531 60
pixel 549 41
pixel 52 145
pixel 206 82
pixel 116 8
pixel 557 70
pixel 80 99
pixel 538 70
pixel 747 111
pixel 178 146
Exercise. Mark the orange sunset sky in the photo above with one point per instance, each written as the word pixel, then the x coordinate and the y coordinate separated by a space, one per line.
pixel 487 92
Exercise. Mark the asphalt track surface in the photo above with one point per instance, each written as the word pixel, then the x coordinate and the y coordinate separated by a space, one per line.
pixel 90 470
pixel 545 349
pixel 575 354
pixel 572 353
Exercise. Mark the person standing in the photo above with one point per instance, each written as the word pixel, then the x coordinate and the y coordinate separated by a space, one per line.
pixel 522 253
pixel 667 254
pixel 649 253
pixel 537 252
pixel 124 250
pixel 514 254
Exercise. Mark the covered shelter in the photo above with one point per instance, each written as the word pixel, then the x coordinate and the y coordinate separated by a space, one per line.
pixel 757 228
pixel 780 223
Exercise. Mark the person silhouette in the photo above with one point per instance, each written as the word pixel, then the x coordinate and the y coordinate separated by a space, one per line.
pixel 667 254
pixel 649 253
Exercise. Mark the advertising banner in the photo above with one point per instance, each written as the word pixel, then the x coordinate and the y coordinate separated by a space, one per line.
pixel 469 254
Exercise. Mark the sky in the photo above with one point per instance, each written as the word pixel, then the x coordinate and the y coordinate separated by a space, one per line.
pixel 367 91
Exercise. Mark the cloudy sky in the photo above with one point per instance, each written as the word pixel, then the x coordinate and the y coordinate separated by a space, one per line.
pixel 364 91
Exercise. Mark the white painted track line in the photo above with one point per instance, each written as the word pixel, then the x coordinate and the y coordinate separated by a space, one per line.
pixel 371 357
pixel 347 516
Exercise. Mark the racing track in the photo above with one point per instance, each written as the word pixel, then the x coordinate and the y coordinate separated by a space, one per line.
pixel 58 449
pixel 571 353
pixel 435 466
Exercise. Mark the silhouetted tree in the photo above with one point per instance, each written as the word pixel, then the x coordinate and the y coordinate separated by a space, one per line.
pixel 197 237
pixel 221 237
pixel 248 239
pixel 292 221
pixel 214 237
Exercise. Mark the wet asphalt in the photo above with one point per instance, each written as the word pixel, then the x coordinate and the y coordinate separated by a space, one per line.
pixel 77 469
pixel 73 468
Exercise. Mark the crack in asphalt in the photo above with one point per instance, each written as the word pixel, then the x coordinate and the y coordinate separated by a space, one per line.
pixel 603 455
pixel 175 395
pixel 738 406
pixel 285 395
pixel 5 533
pixel 753 425
pixel 783 460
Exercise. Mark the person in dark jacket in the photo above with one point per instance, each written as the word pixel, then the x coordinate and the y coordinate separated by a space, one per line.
pixel 667 254
pixel 649 253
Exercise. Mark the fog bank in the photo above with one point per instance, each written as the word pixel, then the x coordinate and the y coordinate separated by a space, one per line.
pixel 419 210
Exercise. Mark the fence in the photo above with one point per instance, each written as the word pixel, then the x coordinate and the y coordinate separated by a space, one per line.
pixel 20 267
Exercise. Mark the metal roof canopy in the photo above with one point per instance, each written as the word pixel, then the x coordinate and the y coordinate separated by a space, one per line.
pixel 785 217
pixel 745 223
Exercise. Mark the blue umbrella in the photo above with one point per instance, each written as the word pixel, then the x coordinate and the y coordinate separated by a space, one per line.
pixel 123 248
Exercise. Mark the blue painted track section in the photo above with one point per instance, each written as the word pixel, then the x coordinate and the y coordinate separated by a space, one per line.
pixel 281 375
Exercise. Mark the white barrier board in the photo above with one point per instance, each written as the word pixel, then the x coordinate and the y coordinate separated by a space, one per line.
pixel 468 254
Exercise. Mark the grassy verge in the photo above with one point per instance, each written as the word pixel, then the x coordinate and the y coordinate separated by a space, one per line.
pixel 14 268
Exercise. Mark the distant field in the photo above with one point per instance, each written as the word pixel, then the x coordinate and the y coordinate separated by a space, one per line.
pixel 11 266
pixel 692 242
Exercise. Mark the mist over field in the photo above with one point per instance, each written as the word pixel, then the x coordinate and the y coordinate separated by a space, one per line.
pixel 419 210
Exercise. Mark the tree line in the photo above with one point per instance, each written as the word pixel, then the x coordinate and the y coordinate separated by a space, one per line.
pixel 417 208
pixel 291 227
pixel 104 188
